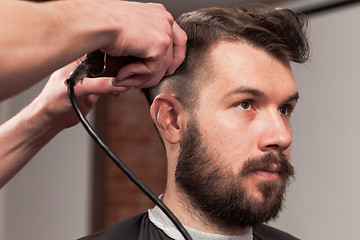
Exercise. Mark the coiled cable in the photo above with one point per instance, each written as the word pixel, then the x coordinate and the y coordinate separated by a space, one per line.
pixel 78 74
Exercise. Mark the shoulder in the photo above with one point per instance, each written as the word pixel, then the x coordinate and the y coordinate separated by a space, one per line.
pixel 135 228
pixel 123 230
pixel 264 232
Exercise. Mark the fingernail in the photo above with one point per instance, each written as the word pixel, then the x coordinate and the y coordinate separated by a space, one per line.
pixel 116 81
pixel 121 90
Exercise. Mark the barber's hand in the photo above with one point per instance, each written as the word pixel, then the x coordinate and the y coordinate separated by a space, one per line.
pixel 54 102
pixel 146 31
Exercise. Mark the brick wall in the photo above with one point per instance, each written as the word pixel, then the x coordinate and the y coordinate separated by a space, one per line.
pixel 131 135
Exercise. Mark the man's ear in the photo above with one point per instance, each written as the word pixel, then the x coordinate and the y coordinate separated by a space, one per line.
pixel 168 115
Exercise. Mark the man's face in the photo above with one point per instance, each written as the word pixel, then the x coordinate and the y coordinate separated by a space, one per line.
pixel 233 162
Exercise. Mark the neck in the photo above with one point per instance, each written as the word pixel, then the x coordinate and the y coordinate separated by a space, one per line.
pixel 193 217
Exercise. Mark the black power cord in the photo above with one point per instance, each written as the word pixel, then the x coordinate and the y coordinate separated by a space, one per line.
pixel 71 82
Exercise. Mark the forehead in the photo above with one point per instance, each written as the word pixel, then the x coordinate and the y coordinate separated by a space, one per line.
pixel 233 65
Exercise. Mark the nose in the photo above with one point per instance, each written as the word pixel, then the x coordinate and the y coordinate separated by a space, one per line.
pixel 276 133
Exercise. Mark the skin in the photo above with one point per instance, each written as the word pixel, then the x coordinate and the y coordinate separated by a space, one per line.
pixel 243 111
pixel 39 38
pixel 22 136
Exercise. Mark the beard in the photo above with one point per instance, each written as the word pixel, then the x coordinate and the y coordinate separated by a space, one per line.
pixel 220 196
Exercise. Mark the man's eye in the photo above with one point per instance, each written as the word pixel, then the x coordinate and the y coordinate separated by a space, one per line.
pixel 285 110
pixel 245 105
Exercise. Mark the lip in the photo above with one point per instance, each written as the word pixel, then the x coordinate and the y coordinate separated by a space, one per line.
pixel 269 174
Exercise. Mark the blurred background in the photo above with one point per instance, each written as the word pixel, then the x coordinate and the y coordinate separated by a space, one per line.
pixel 71 188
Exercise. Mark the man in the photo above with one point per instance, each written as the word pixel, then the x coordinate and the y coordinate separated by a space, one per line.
pixel 224 119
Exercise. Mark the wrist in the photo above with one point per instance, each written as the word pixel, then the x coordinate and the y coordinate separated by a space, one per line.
pixel 39 124
pixel 88 24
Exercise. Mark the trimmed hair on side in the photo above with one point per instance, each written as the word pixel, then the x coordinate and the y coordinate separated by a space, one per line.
pixel 279 32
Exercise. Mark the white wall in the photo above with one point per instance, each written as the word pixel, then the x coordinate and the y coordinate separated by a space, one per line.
pixel 324 201
pixel 50 197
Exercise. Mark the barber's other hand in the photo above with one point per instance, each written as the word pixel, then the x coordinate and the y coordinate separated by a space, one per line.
pixel 146 31
pixel 54 103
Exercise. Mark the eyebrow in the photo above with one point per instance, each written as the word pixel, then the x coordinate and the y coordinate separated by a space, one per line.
pixel 294 97
pixel 257 93
pixel 245 90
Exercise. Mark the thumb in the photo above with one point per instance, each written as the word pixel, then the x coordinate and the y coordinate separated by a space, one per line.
pixel 98 86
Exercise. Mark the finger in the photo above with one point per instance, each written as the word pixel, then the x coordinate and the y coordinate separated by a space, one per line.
pixel 135 81
pixel 142 80
pixel 134 68
pixel 98 86
pixel 87 103
pixel 179 48
pixel 156 64
pixel 131 74
pixel 168 60
pixel 158 67
pixel 65 71
pixel 148 79
pixel 153 81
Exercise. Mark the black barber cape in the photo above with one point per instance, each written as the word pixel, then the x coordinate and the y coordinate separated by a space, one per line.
pixel 141 228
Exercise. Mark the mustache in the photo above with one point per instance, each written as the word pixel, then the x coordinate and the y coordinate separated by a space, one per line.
pixel 266 163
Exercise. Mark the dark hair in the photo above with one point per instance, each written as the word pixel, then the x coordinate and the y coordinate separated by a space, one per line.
pixel 279 32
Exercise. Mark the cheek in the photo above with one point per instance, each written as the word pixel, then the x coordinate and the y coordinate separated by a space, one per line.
pixel 237 133
pixel 233 142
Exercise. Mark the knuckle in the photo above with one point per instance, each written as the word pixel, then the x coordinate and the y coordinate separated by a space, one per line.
pixel 184 37
pixel 165 41
pixel 164 13
pixel 158 5
pixel 169 17
pixel 160 47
